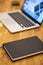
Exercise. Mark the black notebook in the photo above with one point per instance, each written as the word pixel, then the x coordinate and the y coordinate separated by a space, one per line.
pixel 23 48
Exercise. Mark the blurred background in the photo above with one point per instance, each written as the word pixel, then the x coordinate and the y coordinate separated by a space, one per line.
pixel 10 5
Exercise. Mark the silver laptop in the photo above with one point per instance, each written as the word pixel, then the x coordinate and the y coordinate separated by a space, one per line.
pixel 30 16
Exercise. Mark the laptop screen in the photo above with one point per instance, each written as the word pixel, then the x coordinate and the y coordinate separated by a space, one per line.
pixel 34 8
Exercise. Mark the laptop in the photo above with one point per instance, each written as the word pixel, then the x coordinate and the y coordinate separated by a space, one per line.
pixel 24 48
pixel 30 16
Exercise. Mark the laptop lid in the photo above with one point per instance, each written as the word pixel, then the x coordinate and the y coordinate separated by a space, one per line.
pixel 34 9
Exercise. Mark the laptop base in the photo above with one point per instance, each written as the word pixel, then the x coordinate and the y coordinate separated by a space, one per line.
pixel 14 26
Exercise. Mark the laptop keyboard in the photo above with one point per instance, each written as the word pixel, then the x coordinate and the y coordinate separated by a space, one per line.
pixel 21 20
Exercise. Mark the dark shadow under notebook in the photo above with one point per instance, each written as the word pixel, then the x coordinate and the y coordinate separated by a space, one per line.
pixel 23 48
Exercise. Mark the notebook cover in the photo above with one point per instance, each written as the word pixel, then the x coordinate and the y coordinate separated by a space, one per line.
pixel 23 48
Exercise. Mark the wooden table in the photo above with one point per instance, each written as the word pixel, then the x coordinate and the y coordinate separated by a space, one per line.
pixel 6 36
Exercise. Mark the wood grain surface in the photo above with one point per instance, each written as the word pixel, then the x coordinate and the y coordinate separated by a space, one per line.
pixel 6 36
